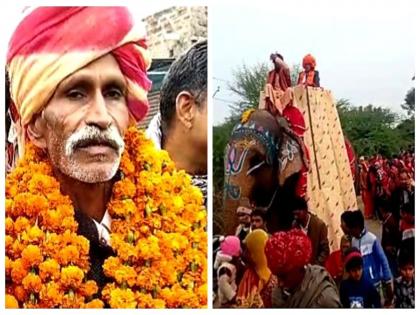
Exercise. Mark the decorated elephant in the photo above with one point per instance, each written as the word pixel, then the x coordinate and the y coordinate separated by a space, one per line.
pixel 263 163
pixel 263 160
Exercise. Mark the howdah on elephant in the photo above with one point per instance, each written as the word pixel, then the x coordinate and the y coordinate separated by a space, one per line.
pixel 263 160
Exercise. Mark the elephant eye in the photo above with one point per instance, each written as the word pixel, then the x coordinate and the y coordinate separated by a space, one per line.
pixel 255 163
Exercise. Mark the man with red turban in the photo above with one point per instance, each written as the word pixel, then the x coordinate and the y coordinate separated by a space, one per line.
pixel 82 174
pixel 310 76
pixel 300 285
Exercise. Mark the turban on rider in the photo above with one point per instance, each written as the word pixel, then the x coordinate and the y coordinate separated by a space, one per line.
pixel 289 250
pixel 51 43
pixel 309 60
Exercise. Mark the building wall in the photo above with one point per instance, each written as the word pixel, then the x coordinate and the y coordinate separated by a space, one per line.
pixel 174 30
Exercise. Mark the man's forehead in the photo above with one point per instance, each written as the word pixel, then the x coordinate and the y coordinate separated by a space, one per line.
pixel 104 68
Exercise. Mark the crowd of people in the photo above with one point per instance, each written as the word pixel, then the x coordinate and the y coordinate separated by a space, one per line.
pixel 295 268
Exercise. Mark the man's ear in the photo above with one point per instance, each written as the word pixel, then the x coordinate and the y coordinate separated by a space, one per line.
pixel 36 131
pixel 185 108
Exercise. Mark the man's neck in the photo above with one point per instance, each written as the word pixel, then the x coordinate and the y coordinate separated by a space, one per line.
pixel 184 154
pixel 91 199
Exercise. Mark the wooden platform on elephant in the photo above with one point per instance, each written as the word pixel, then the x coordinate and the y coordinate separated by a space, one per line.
pixel 330 184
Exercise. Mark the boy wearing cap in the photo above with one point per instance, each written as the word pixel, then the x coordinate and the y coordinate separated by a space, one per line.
pixel 356 291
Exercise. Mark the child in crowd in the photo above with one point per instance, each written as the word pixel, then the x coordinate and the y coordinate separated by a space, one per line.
pixel 225 264
pixel 404 285
pixel 335 261
pixel 375 262
pixel 356 291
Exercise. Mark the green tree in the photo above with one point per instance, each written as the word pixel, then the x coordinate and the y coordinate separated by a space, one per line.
pixel 373 129
pixel 409 102
pixel 248 83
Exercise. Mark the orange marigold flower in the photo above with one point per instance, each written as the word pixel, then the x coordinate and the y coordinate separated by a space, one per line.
pixel 71 276
pixel 21 224
pixel 124 189
pixel 49 269
pixel 110 265
pixel 96 303
pixel 32 256
pixel 88 288
pixel 68 255
pixel 51 295
pixel 147 301
pixel 19 271
pixel 126 275
pixel 9 224
pixel 32 283
pixel 11 301
pixel 33 235
pixel 122 298
pixel 20 293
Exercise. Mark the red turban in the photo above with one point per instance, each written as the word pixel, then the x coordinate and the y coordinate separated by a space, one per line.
pixel 51 43
pixel 309 60
pixel 288 250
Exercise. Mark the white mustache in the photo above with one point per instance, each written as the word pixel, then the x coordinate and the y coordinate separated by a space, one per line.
pixel 90 133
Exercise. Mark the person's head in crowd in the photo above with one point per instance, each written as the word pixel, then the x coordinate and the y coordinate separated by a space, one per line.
pixel 254 253
pixel 231 246
pixel 258 219
pixel 183 109
pixel 300 210
pixel 243 212
pixel 288 254
pixel 355 223
pixel 345 244
pixel 406 266
pixel 75 92
pixel 404 179
pixel 353 264
pixel 343 219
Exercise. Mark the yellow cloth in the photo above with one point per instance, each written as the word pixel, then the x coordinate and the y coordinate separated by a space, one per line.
pixel 255 243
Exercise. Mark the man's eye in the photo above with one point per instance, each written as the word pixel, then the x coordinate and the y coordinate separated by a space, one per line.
pixel 114 93
pixel 75 94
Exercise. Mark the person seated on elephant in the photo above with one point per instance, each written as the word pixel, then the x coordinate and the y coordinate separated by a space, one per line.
pixel 310 76
pixel 244 218
pixel 258 220
pixel 180 127
pixel 227 259
pixel 375 262
pixel 300 284
pixel 277 91
pixel 314 227
pixel 257 283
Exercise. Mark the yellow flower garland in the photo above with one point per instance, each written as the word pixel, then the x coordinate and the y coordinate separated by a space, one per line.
pixel 158 233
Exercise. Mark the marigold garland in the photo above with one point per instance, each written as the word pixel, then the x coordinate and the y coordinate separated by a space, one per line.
pixel 158 233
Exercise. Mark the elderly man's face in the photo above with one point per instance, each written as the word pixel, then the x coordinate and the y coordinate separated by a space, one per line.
pixel 83 124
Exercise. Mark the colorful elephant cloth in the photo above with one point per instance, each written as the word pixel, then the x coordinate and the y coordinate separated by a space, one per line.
pixel 51 43
pixel 286 251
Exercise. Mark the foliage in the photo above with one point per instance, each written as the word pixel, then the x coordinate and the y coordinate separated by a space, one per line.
pixel 249 81
pixel 409 102
pixel 374 129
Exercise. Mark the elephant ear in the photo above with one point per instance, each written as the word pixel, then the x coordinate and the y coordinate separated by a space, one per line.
pixel 291 156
